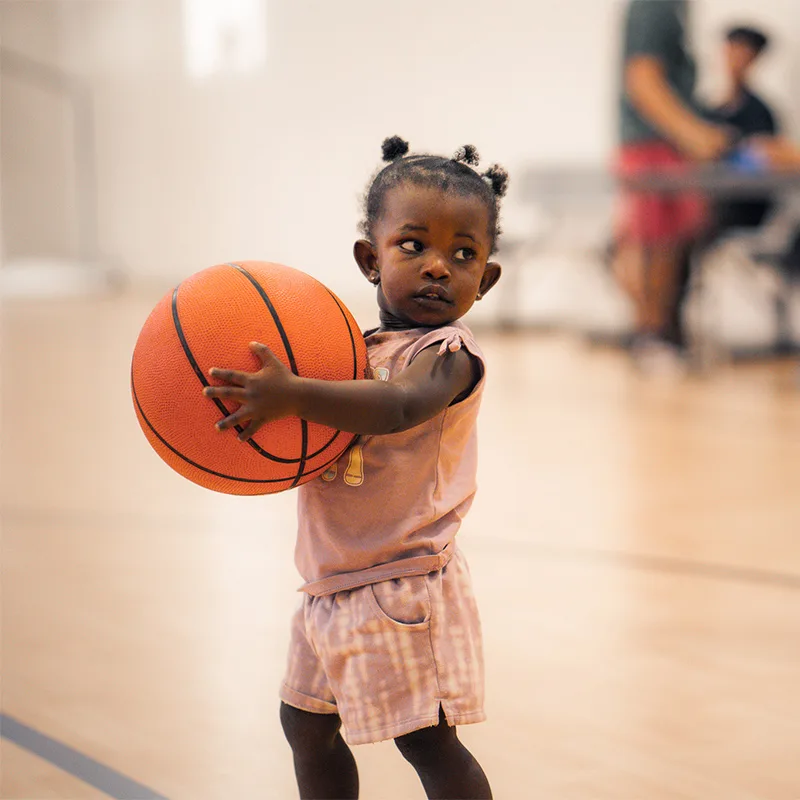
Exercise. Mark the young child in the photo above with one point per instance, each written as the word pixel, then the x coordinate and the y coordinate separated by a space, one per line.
pixel 387 643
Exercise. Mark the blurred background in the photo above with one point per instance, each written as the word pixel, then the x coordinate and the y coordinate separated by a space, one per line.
pixel 637 558
pixel 156 137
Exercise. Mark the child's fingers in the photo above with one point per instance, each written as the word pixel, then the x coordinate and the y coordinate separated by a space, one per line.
pixel 234 419
pixel 249 431
pixel 226 393
pixel 261 350
pixel 229 376
pixel 268 359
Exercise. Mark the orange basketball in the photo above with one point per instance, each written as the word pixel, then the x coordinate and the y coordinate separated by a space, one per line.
pixel 209 321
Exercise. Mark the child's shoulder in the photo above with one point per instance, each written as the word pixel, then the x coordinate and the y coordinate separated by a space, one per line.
pixel 403 346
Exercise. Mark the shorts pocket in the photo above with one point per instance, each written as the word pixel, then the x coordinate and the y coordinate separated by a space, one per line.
pixel 402 601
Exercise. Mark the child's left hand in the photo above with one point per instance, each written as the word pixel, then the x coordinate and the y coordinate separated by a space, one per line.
pixel 263 396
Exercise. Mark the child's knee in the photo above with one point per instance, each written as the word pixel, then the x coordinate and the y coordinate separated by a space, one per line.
pixel 427 744
pixel 309 732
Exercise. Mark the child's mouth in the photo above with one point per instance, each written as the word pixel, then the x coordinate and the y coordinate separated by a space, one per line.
pixel 435 298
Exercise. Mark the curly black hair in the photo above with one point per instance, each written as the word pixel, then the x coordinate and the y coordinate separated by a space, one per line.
pixel 454 174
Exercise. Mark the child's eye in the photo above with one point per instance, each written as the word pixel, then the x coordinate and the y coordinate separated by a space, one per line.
pixel 465 254
pixel 411 246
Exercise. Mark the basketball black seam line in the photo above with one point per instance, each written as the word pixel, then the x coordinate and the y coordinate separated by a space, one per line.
pixel 349 331
pixel 352 346
pixel 187 351
pixel 305 457
pixel 221 406
pixel 289 354
pixel 206 469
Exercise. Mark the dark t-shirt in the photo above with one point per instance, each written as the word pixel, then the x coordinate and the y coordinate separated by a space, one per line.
pixel 751 116
pixel 655 28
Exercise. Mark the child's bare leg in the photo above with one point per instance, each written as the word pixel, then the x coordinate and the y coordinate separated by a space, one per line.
pixel 448 770
pixel 324 766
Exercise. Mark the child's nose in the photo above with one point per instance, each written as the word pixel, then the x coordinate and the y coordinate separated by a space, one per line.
pixel 437 268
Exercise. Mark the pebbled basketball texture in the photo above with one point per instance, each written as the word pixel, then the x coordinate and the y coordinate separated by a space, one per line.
pixel 209 321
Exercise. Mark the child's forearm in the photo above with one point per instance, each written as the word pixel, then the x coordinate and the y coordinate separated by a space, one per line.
pixel 420 392
pixel 367 407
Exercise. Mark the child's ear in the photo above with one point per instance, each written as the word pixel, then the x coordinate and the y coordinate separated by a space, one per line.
pixel 367 260
pixel 490 277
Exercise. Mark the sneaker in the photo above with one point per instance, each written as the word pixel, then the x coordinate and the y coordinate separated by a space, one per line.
pixel 658 358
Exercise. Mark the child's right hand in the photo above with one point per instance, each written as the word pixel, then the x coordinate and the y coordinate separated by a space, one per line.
pixel 263 396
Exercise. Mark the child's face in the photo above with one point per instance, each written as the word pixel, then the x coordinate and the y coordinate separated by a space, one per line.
pixel 430 256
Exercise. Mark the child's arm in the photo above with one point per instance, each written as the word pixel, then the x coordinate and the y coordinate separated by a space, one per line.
pixel 421 391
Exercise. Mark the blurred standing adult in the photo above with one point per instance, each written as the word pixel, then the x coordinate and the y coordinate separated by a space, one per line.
pixel 661 129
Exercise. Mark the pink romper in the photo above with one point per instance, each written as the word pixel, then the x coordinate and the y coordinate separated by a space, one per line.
pixel 388 631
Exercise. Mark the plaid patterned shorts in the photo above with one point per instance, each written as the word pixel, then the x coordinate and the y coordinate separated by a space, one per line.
pixel 385 656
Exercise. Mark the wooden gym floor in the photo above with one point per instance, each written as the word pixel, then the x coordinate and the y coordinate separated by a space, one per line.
pixel 635 549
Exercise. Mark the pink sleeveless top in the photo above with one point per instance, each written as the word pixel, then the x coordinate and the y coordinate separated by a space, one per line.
pixel 393 503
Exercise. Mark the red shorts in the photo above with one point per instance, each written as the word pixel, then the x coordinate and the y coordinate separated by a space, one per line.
pixel 650 217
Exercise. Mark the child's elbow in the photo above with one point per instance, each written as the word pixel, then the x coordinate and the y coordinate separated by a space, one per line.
pixel 398 421
pixel 400 414
pixel 400 409
pixel 410 412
